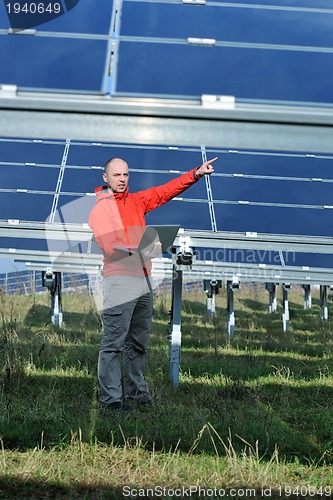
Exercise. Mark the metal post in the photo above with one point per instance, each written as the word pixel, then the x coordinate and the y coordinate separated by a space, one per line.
pixel 211 288
pixel 323 303
pixel 307 296
pixel 175 337
pixel 53 281
pixel 271 288
pixel 210 304
pixel 285 314
pixel 56 316
pixel 230 311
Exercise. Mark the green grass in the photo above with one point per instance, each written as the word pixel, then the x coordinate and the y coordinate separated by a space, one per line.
pixel 253 413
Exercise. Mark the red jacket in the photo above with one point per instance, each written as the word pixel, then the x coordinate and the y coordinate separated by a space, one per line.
pixel 118 219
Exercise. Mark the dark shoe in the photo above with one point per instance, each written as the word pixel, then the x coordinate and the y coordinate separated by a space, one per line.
pixel 118 405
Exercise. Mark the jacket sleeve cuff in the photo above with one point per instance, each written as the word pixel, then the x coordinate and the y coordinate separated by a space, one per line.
pixel 195 175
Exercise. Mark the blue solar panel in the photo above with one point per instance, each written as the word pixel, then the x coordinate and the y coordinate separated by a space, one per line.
pixel 53 63
pixel 226 23
pixel 306 260
pixel 277 220
pixel 32 178
pixel 272 191
pixel 282 164
pixel 25 206
pixel 28 151
pixel 23 244
pixel 179 70
pixel 81 181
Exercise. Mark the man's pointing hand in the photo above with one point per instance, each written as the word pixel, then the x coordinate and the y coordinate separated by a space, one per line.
pixel 206 168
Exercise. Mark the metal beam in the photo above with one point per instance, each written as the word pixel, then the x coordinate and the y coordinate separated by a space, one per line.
pixel 157 121
pixel 205 239
pixel 76 262
pixel 257 241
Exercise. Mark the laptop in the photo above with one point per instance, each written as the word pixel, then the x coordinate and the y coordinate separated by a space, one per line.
pixel 154 234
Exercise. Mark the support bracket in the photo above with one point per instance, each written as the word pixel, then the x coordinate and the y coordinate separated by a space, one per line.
pixel 271 288
pixel 182 257
pixel 285 314
pixel 307 296
pixel 232 285
pixel 52 281
pixel 323 303
pixel 211 288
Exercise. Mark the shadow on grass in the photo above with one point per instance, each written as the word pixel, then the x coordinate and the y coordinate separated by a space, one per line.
pixel 256 328
pixel 16 487
pixel 46 408
pixel 39 316
pixel 295 419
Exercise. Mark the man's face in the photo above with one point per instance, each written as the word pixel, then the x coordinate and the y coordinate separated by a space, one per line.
pixel 116 176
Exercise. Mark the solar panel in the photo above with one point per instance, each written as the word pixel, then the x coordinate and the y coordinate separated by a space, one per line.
pixel 53 63
pixel 173 70
pixel 32 178
pixel 244 217
pixel 228 23
pixel 31 151
pixel 25 206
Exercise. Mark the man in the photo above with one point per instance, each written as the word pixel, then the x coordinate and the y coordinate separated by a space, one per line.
pixel 118 221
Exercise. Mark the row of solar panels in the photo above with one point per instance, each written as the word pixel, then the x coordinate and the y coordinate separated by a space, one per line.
pixel 253 51
pixel 55 180
pixel 250 190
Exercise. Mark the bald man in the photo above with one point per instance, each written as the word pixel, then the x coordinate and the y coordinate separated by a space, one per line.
pixel 118 221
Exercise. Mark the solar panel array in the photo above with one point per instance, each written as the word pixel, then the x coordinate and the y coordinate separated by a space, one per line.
pixel 280 52
pixel 54 182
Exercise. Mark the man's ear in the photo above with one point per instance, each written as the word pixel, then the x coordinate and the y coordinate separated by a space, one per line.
pixel 104 177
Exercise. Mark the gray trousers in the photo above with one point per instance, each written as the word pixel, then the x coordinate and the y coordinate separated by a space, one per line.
pixel 127 315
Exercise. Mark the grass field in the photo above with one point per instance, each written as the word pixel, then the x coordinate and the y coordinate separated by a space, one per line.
pixel 250 419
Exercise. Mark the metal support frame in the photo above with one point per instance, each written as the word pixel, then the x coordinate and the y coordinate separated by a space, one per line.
pixel 231 286
pixel 182 257
pixel 211 288
pixel 271 288
pixel 160 121
pixel 175 336
pixel 307 296
pixel 285 313
pixel 323 303
pixel 52 280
